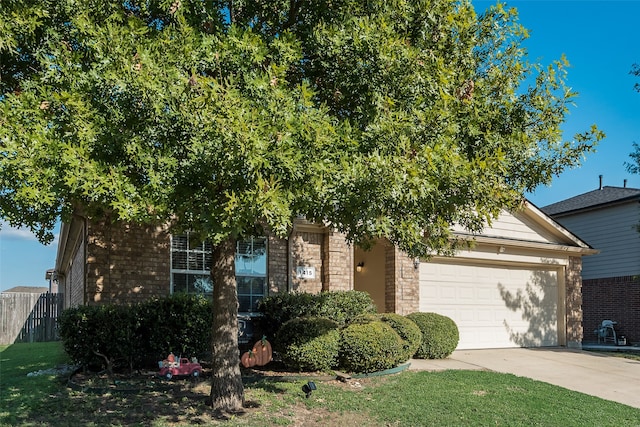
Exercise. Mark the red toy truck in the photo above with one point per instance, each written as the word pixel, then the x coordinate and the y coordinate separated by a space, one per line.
pixel 170 367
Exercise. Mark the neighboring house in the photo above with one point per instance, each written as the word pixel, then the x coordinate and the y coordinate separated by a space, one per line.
pixel 607 218
pixel 27 290
pixel 519 286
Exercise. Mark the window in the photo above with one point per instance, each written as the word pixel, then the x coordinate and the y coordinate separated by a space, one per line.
pixel 251 272
pixel 190 266
pixel 191 269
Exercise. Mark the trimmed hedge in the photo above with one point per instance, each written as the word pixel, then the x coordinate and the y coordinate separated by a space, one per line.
pixel 370 347
pixel 309 343
pixel 180 324
pixel 101 336
pixel 407 330
pixel 339 306
pixel 139 335
pixel 440 335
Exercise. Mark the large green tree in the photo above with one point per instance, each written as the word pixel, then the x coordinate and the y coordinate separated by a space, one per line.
pixel 379 118
pixel 634 165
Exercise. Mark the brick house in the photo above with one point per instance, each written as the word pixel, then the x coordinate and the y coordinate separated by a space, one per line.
pixel 607 218
pixel 525 258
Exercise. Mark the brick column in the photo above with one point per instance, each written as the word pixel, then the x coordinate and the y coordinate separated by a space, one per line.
pixel 573 285
pixel 277 264
pixel 306 251
pixel 337 274
pixel 402 282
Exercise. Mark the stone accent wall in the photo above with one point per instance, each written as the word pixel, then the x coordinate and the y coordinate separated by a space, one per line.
pixel 573 302
pixel 277 267
pixel 337 274
pixel 402 282
pixel 612 298
pixel 126 263
pixel 306 251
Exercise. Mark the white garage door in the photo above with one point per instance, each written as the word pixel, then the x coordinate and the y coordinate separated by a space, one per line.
pixel 493 306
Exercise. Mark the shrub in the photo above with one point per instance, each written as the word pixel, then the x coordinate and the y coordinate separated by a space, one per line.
pixel 139 335
pixel 408 331
pixel 439 335
pixel 309 343
pixel 101 336
pixel 179 323
pixel 369 347
pixel 282 307
pixel 405 328
pixel 341 306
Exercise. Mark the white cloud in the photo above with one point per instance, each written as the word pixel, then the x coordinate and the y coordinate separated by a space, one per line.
pixel 13 233
pixel 8 232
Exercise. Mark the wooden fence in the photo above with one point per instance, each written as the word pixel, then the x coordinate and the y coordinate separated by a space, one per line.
pixel 28 317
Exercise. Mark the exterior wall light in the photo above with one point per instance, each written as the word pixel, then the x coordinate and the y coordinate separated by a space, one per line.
pixel 360 266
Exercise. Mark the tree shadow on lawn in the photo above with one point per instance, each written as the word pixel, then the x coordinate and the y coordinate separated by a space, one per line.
pixel 181 401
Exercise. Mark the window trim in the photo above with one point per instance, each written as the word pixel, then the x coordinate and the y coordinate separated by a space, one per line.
pixel 207 272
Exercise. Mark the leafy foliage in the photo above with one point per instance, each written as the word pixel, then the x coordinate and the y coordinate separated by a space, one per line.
pixel 378 119
pixel 339 306
pixel 179 323
pixel 432 112
pixel 97 336
pixel 139 335
pixel 370 347
pixel 440 335
pixel 406 329
pixel 309 343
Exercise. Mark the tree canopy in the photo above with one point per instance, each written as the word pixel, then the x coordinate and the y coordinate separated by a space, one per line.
pixel 634 165
pixel 384 118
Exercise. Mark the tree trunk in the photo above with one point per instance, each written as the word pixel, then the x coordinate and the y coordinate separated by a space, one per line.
pixel 227 392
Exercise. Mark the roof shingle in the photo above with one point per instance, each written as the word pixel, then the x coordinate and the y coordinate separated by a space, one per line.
pixel 596 198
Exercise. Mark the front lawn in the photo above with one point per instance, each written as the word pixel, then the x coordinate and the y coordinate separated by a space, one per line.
pixel 407 399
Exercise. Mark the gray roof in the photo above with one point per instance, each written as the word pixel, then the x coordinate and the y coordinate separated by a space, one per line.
pixel 27 290
pixel 593 199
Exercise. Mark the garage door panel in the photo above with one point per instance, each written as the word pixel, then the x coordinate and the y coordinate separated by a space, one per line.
pixel 492 305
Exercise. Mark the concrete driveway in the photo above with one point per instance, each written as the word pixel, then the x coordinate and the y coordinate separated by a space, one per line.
pixel 607 377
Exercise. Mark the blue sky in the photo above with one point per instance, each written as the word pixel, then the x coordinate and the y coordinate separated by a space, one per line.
pixel 599 38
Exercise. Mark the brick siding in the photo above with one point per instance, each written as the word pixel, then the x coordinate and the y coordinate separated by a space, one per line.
pixel 402 283
pixel 337 274
pixel 573 302
pixel 306 251
pixel 126 263
pixel 277 265
pixel 612 298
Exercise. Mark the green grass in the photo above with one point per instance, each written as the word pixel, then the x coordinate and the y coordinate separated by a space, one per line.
pixel 19 393
pixel 451 398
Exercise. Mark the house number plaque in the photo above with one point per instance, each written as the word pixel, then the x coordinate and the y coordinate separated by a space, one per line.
pixel 305 272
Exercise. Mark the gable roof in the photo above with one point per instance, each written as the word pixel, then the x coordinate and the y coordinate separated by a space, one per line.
pixel 607 196
pixel 27 290
pixel 530 228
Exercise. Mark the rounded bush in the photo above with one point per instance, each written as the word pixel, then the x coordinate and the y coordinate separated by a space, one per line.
pixel 340 306
pixel 408 331
pixel 343 306
pixel 369 347
pixel 440 335
pixel 309 343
